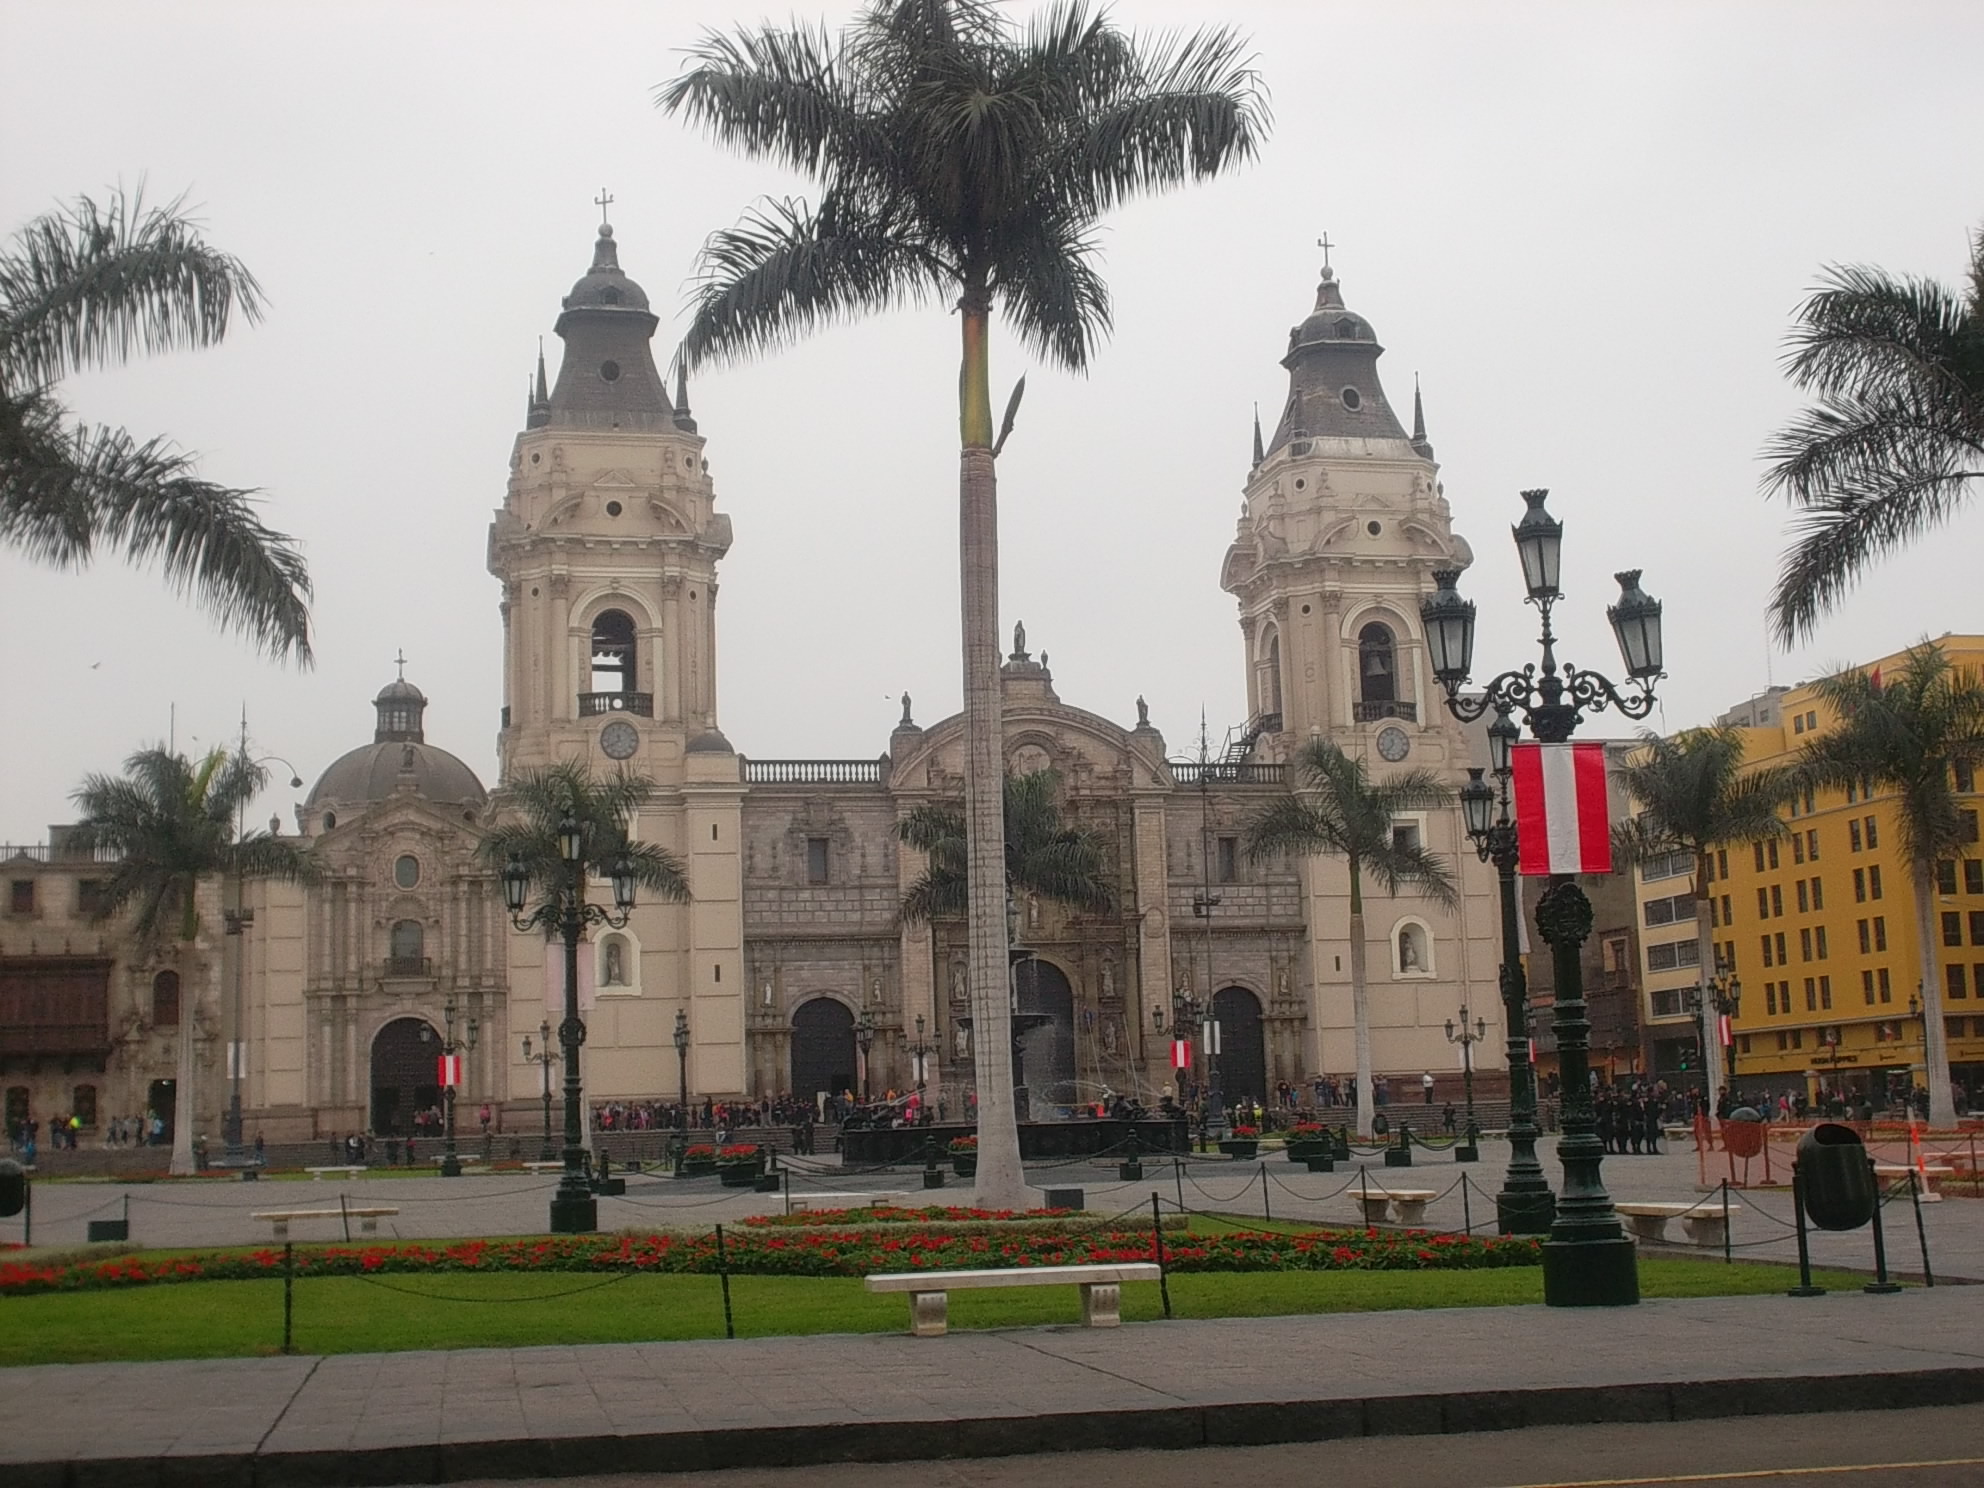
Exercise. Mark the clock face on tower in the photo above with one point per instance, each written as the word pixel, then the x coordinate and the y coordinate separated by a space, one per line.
pixel 1393 744
pixel 619 739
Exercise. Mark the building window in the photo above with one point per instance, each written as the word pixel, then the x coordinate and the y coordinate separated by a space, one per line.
pixel 613 652
pixel 1873 834
pixel 1859 885
pixel 406 943
pixel 1973 876
pixel 1977 927
pixel 1770 998
pixel 1819 938
pixel 1727 917
pixel 1776 900
pixel 1966 779
pixel 1956 981
pixel 1229 854
pixel 1758 849
pixel 1887 988
pixel 1783 1040
pixel 1805 945
pixel 1867 987
pixel 20 897
pixel 1866 943
pixel 1667 911
pixel 1818 894
pixel 1798 723
pixel 165 999
pixel 1672 954
pixel 406 870
pixel 1853 835
pixel 1812 843
pixel 1667 865
pixel 1880 932
pixel 1952 928
pixel 1811 995
pixel 1797 1038
pixel 1722 862
pixel 1804 897
pixel 1271 694
pixel 1825 993
pixel 1782 959
pixel 816 860
pixel 82 1104
pixel 1766 945
pixel 1714 918
pixel 1770 852
pixel 1852 793
pixel 1797 848
pixel 1874 882
pixel 1763 904
pixel 89 898
pixel 1377 664
pixel 1946 876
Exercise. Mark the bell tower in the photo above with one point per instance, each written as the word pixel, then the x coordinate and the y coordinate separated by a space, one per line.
pixel 1343 523
pixel 607 546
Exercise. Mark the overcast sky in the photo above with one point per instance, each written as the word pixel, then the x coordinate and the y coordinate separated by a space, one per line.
pixel 1585 226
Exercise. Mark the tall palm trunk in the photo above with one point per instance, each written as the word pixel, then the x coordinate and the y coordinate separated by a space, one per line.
pixel 1001 1182
pixel 189 1002
pixel 1935 1048
pixel 1360 1006
pixel 1711 1022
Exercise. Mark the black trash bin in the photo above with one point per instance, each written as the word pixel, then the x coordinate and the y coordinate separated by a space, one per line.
pixel 13 1188
pixel 1837 1179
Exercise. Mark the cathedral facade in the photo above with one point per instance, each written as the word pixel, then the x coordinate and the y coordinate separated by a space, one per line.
pixel 791 965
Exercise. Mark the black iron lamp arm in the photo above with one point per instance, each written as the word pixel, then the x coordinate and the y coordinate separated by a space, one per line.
pixel 556 915
pixel 1551 704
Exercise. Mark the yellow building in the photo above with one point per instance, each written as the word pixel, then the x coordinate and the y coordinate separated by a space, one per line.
pixel 1820 925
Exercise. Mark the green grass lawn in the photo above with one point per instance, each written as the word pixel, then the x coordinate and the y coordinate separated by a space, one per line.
pixel 352 1315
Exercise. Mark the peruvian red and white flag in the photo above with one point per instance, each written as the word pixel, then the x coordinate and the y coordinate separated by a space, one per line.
pixel 1562 825
pixel 450 1071
pixel 1181 1054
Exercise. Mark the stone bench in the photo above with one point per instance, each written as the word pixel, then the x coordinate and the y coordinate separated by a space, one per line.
pixel 811 1201
pixel 350 1170
pixel 1703 1222
pixel 1410 1203
pixel 1930 1175
pixel 929 1291
pixel 556 1166
pixel 367 1217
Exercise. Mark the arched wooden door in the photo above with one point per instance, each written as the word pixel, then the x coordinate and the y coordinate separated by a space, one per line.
pixel 1048 1051
pixel 1243 1058
pixel 405 1075
pixel 822 1048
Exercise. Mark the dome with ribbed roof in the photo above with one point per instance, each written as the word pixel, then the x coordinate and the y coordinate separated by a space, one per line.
pixel 399 758
pixel 1333 386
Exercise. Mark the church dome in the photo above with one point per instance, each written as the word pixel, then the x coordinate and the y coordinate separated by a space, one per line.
pixel 710 741
pixel 605 285
pixel 398 758
pixel 1333 386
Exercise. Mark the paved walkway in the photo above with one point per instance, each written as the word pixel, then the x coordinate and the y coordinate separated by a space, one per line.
pixel 560 1412
pixel 218 1213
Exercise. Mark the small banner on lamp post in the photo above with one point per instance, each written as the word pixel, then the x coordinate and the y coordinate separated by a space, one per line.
pixel 1181 1054
pixel 1562 824
pixel 450 1071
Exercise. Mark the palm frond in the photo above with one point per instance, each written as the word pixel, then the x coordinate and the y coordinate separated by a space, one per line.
pixel 786 270
pixel 938 893
pixel 45 514
pixel 1868 333
pixel 1047 283
pixel 1399 863
pixel 1291 826
pixel 89 285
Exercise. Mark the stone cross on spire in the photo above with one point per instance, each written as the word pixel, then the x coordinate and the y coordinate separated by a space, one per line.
pixel 399 660
pixel 1325 244
pixel 603 201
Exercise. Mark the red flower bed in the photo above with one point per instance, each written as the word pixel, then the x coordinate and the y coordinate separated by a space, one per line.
pixel 804 1252
pixel 702 1151
pixel 742 1152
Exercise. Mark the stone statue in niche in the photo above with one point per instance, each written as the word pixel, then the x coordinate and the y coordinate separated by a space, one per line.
pixel 1109 1036
pixel 1108 981
pixel 960 1041
pixel 959 992
pixel 768 994
pixel 616 963
pixel 1408 951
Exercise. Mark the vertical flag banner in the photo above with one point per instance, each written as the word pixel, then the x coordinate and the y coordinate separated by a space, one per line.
pixel 1181 1054
pixel 1562 825
pixel 1723 1030
pixel 450 1070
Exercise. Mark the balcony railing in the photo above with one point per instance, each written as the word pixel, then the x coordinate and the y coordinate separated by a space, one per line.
pixel 1370 712
pixel 409 966
pixel 1218 772
pixel 597 704
pixel 813 772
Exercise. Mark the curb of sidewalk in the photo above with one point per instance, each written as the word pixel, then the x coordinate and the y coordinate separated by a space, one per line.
pixel 1252 1423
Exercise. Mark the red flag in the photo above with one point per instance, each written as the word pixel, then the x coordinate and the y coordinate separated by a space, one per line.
pixel 450 1074
pixel 1722 1027
pixel 1181 1054
pixel 1562 825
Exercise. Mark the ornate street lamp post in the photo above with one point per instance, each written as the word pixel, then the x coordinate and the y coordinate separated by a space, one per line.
pixel 1467 1038
pixel 682 1078
pixel 451 1164
pixel 919 1055
pixel 1725 998
pixel 1588 1259
pixel 1525 1205
pixel 864 1040
pixel 573 1209
pixel 1187 1016
pixel 544 1059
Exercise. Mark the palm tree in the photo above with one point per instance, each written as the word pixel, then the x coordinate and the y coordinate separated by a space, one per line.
pixel 964 161
pixel 1911 733
pixel 169 824
pixel 540 798
pixel 1337 810
pixel 1044 855
pixel 1895 445
pixel 84 288
pixel 1694 796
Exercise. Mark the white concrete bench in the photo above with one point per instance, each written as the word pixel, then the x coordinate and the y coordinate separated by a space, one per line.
pixel 811 1201
pixel 1410 1203
pixel 368 1217
pixel 1703 1222
pixel 557 1166
pixel 929 1291
pixel 1930 1175
pixel 350 1170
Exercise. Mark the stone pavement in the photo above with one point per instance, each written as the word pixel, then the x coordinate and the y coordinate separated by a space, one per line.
pixel 555 1412
pixel 217 1213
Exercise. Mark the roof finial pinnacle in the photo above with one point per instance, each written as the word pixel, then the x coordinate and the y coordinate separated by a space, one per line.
pixel 1259 453
pixel 1325 244
pixel 603 201
pixel 399 660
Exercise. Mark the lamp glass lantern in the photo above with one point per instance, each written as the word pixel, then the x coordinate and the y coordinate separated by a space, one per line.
pixel 571 838
pixel 1477 804
pixel 1636 623
pixel 1502 738
pixel 1449 623
pixel 1157 1019
pixel 516 884
pixel 1540 545
pixel 623 883
pixel 681 1030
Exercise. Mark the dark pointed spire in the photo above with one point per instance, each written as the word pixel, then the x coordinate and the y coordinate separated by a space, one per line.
pixel 1420 445
pixel 538 414
pixel 1259 453
pixel 683 421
